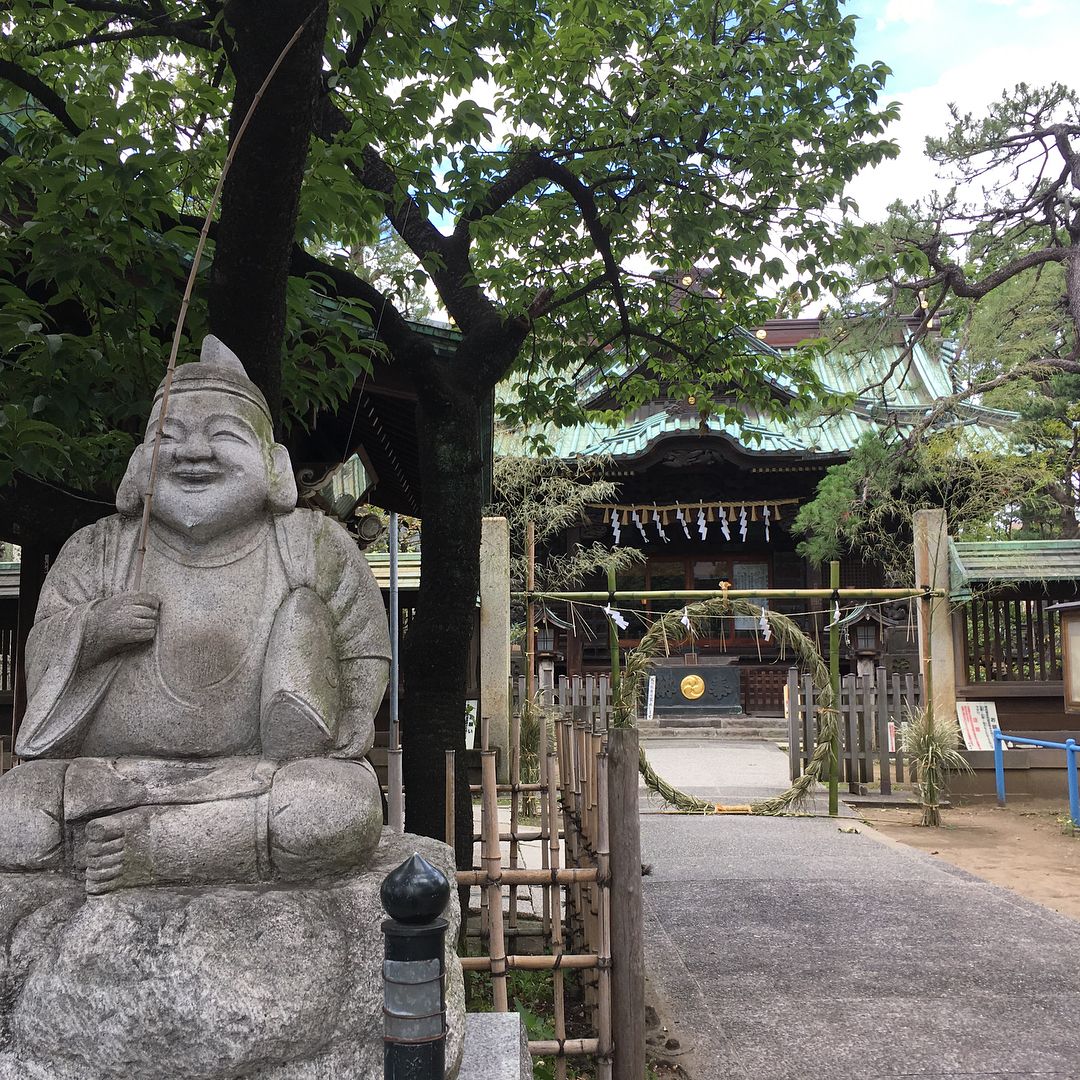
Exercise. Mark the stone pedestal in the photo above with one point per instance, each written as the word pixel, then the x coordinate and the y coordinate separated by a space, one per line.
pixel 266 982
pixel 496 1048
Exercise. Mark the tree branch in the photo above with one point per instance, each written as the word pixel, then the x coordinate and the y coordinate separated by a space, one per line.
pixel 115 7
pixel 955 278
pixel 1063 366
pixel 518 176
pixel 555 301
pixel 355 52
pixel 194 32
pixel 390 326
pixel 43 94
pixel 600 233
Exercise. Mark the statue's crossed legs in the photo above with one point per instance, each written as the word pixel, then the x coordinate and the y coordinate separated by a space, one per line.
pixel 130 822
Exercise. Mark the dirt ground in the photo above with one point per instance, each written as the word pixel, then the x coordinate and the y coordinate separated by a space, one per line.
pixel 1024 846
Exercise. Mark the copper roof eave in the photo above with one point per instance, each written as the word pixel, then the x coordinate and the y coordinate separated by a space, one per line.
pixel 380 417
pixel 1004 563
pixel 820 459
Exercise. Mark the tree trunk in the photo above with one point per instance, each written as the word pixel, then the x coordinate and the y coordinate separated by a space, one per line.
pixel 261 194
pixel 437 647
pixel 44 516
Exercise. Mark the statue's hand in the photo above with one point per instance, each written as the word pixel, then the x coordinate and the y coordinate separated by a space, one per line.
pixel 120 622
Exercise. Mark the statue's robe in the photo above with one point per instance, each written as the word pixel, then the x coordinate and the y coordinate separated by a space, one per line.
pixel 184 718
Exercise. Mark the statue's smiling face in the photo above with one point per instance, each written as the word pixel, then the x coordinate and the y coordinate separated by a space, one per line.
pixel 213 465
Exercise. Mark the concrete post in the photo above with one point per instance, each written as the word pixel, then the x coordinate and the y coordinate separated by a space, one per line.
pixel 495 636
pixel 937 650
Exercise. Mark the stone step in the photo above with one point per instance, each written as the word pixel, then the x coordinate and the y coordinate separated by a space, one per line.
pixel 654 731
pixel 689 734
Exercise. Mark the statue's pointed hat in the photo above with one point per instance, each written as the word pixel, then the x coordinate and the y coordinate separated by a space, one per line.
pixel 218 368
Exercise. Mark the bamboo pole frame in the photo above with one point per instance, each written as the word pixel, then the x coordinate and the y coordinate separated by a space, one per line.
pixel 564 876
pixel 567 961
pixel 732 594
pixel 492 859
pixel 515 798
pixel 558 990
pixel 545 820
pixel 574 882
pixel 450 809
pixel 564 1048
pixel 603 872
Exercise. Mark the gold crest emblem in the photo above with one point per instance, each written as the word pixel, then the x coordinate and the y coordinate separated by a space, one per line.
pixel 692 687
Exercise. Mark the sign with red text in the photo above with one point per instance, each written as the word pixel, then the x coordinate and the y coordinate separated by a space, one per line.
pixel 978 720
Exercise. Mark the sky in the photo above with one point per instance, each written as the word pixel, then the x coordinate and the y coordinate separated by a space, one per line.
pixel 961 51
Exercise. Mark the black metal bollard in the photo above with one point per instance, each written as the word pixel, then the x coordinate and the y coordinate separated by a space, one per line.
pixel 414 1010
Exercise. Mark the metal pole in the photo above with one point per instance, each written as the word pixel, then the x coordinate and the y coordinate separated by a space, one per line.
pixel 834 682
pixel 1071 750
pixel 395 660
pixel 414 1005
pixel 613 640
pixel 395 800
pixel 999 767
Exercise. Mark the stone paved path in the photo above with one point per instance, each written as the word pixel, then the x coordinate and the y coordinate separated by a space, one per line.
pixel 786 949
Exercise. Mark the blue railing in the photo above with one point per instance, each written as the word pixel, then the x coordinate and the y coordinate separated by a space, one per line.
pixel 1072 751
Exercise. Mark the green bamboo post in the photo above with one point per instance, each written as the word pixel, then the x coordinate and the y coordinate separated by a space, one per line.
pixel 834 682
pixel 613 641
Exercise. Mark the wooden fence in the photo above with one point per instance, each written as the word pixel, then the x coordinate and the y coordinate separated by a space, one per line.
pixel 590 919
pixel 1008 639
pixel 872 709
pixel 581 697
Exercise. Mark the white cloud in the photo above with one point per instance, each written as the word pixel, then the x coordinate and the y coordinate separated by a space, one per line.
pixel 907 11
pixel 1040 9
pixel 925 111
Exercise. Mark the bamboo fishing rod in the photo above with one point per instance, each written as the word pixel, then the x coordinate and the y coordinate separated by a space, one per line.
pixel 185 303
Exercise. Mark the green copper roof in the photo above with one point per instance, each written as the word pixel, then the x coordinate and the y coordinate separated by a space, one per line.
pixel 1005 562
pixel 903 392
pixel 408 569
pixel 9 580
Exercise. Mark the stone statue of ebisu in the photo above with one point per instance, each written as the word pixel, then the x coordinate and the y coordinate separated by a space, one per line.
pixel 194 758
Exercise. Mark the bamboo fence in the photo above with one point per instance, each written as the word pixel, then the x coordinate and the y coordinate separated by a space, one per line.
pixel 571 867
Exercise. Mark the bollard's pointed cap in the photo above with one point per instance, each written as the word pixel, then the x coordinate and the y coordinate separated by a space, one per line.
pixel 416 892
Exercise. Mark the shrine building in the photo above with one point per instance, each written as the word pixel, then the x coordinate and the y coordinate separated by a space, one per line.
pixel 709 501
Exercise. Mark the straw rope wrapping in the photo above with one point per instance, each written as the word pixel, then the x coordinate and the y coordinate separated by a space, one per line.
pixel 669 630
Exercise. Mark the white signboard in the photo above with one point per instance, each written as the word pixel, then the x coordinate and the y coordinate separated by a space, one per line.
pixel 470 724
pixel 978 721
pixel 650 702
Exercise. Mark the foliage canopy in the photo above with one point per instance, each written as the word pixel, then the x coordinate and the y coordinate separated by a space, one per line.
pixel 535 159
pixel 992 262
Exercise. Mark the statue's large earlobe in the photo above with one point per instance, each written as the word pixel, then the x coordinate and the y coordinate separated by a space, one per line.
pixel 129 495
pixel 283 492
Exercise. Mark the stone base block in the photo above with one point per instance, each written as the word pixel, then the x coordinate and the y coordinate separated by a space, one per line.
pixel 260 982
pixel 496 1048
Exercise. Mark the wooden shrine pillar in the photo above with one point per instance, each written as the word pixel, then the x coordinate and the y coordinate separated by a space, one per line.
pixel 495 636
